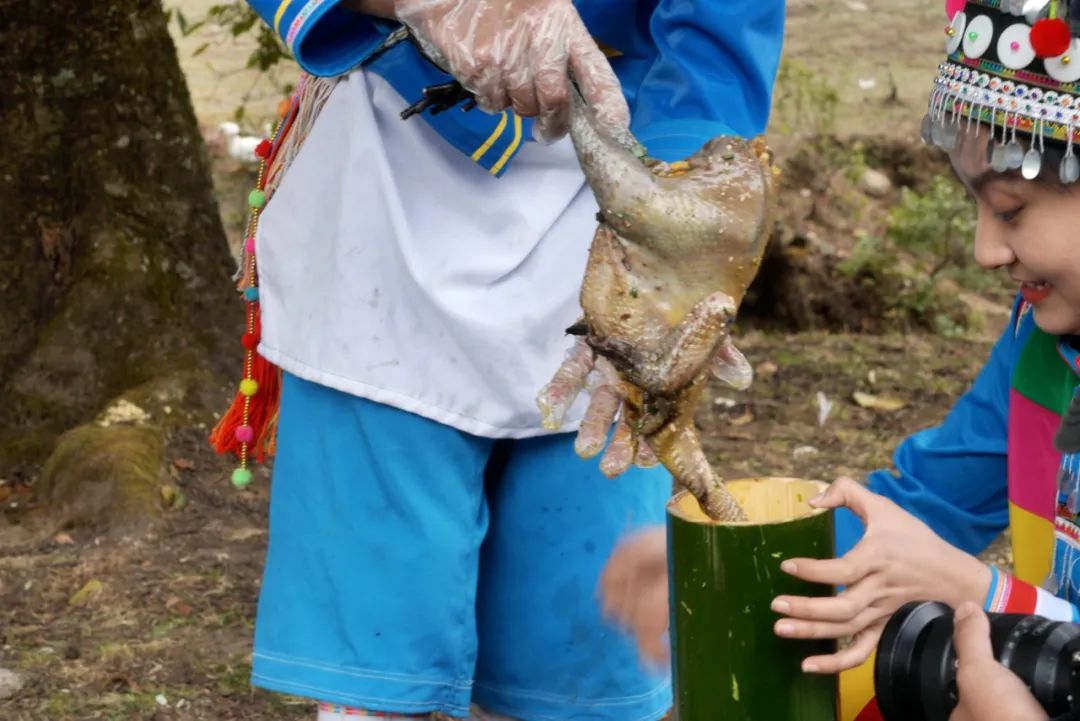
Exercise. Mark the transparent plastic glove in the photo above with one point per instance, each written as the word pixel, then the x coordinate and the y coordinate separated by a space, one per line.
pixel 519 54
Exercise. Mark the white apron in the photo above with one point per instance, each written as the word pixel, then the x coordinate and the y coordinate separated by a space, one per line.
pixel 393 268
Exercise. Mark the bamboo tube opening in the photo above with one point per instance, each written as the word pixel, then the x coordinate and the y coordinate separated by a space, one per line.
pixel 766 501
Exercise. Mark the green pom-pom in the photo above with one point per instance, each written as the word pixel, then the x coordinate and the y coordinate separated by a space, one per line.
pixel 256 198
pixel 249 387
pixel 241 477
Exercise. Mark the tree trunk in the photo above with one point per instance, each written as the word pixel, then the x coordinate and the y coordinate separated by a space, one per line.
pixel 114 268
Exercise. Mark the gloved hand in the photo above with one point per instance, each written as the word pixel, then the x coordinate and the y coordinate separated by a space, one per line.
pixel 518 54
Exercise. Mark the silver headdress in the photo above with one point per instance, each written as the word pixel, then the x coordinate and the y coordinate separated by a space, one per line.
pixel 1013 65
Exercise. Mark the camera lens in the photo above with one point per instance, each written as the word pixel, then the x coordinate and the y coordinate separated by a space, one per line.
pixel 915 671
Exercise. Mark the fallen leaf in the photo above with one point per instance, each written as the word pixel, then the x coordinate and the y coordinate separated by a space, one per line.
pixel 92 588
pixel 178 606
pixel 242 534
pixel 878 403
pixel 765 370
pixel 168 494
pixel 173 497
pixel 746 417
pixel 824 406
pixel 803 452
pixel 184 464
pixel 63 539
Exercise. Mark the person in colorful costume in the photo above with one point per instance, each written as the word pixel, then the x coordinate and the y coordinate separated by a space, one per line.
pixel 432 547
pixel 1006 106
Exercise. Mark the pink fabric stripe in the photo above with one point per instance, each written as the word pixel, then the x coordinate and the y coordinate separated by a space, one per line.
pixel 1033 462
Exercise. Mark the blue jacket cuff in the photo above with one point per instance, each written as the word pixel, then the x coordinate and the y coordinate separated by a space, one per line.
pixel 672 140
pixel 327 39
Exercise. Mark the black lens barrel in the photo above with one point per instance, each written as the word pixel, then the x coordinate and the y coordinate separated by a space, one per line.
pixel 915 670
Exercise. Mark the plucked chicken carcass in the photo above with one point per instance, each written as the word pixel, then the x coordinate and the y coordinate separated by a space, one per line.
pixel 676 248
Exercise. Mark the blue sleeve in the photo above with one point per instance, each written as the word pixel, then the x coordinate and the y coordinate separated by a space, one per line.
pixel 713 75
pixel 953 477
pixel 325 38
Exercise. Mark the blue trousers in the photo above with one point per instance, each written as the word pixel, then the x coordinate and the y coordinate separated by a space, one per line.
pixel 415 568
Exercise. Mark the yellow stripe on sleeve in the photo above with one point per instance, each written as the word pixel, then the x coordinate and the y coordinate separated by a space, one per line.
pixel 479 153
pixel 510 150
pixel 280 14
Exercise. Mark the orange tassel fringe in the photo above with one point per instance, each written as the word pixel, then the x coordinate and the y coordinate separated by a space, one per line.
pixel 262 410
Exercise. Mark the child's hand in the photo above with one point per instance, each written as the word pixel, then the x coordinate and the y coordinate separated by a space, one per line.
pixel 899 559
pixel 634 590
pixel 988 690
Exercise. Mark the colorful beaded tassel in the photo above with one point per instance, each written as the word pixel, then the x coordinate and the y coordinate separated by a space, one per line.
pixel 248 428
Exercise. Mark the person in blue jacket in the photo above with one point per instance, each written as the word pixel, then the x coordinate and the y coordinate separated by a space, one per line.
pixel 1005 106
pixel 432 547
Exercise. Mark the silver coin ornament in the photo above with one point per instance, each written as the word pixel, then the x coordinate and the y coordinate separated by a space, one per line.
pixel 1032 164
pixel 926 129
pixel 998 160
pixel 1014 154
pixel 1070 169
pixel 937 132
pixel 949 136
pixel 1035 10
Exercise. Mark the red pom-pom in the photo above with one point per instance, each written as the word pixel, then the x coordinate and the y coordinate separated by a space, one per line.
pixel 250 341
pixel 1050 37
pixel 263 149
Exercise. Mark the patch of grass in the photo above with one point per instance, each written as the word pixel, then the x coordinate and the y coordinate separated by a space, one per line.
pixel 142 702
pixel 111 652
pixel 234 678
pixel 164 628
pixel 787 358
pixel 39 658
pixel 60 706
pixel 805 101
pixel 924 260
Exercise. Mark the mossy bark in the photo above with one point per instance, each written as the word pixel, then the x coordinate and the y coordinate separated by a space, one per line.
pixel 113 263
pixel 105 474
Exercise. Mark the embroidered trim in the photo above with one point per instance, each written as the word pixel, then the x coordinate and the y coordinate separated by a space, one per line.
pixel 988 66
pixel 997 597
pixel 298 22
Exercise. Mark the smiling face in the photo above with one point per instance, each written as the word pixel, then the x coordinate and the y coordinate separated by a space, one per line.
pixel 1029 228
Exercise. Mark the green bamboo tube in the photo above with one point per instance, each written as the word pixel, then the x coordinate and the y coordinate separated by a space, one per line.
pixel 728 664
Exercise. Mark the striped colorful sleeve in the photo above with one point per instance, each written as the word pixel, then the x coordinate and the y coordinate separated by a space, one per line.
pixel 1011 595
pixel 323 36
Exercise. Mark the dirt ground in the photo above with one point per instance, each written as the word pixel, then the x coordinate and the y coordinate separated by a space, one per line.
pixel 156 622
pixel 164 630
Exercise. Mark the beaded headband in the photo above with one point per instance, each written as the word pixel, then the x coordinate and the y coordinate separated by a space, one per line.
pixel 1013 65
